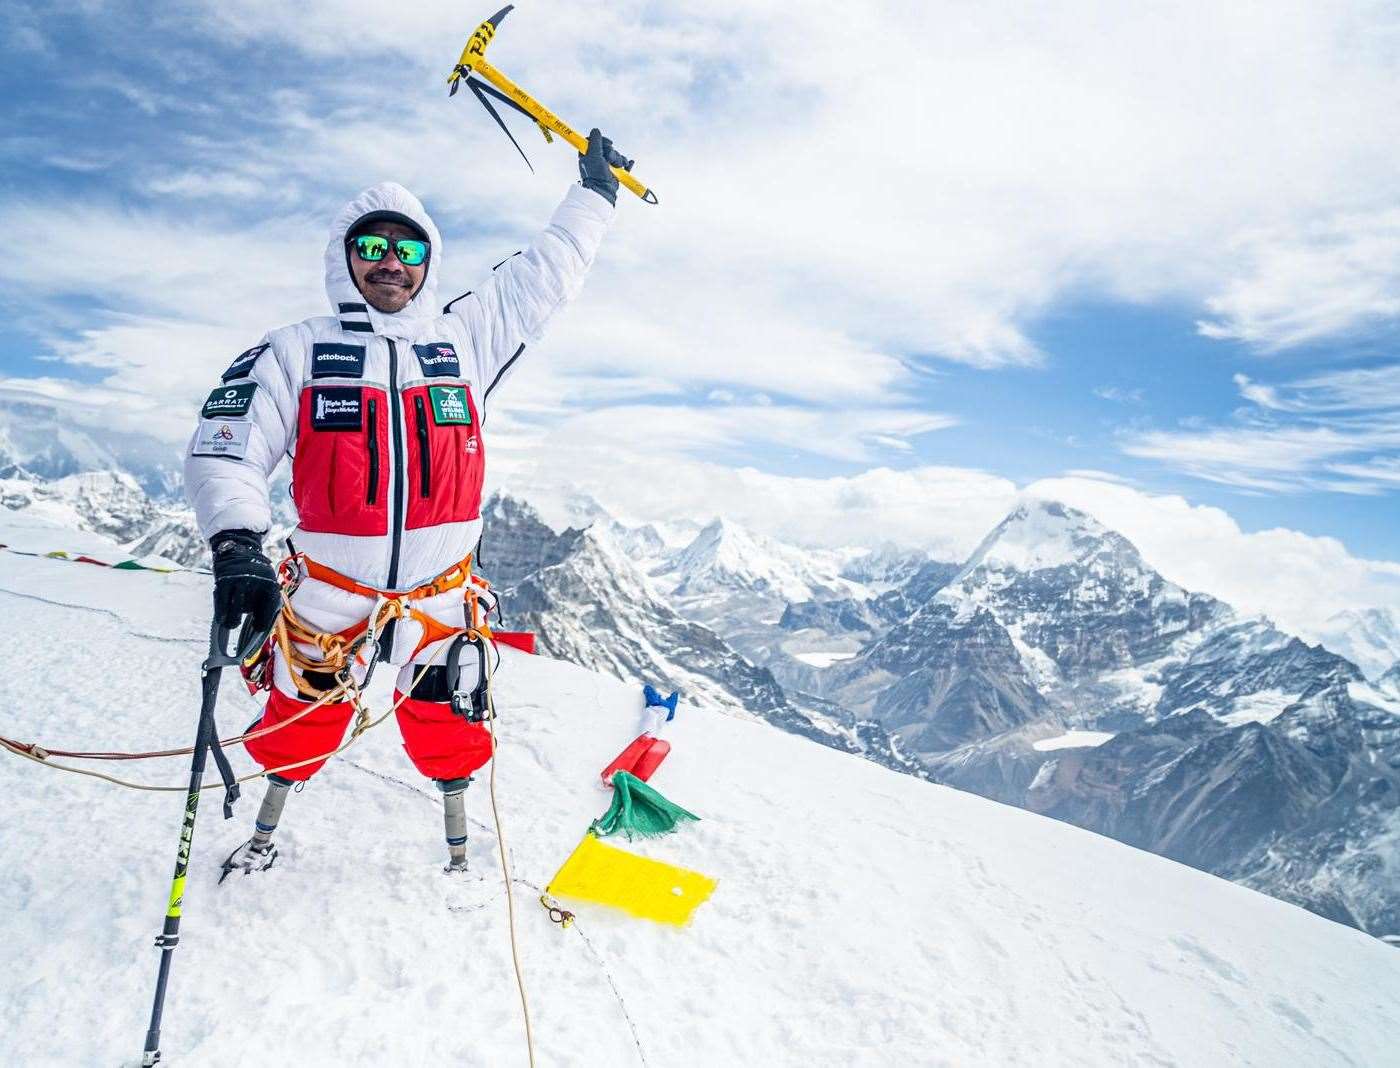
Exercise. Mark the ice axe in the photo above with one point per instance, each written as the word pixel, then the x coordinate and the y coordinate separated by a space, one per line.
pixel 473 61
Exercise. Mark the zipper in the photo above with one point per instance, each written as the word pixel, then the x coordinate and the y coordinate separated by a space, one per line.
pixel 396 451
pixel 425 472
pixel 372 444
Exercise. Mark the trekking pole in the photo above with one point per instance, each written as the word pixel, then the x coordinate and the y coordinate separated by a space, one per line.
pixel 205 739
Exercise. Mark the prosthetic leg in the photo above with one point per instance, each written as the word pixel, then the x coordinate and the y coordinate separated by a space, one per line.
pixel 258 853
pixel 454 819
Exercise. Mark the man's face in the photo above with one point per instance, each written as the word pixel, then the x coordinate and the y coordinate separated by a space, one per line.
pixel 388 285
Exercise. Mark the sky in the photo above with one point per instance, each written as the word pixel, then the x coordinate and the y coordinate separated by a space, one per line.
pixel 910 260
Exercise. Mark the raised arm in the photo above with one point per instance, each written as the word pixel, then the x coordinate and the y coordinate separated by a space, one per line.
pixel 511 310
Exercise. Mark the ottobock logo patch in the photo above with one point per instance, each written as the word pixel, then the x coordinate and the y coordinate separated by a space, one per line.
pixel 450 405
pixel 230 402
pixel 242 366
pixel 335 408
pixel 331 360
pixel 219 437
pixel 439 359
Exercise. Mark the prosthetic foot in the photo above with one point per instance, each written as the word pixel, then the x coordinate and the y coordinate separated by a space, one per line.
pixel 258 853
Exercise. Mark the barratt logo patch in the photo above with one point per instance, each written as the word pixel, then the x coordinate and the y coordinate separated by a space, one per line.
pixel 336 408
pixel 229 402
pixel 439 359
pixel 331 360
pixel 450 405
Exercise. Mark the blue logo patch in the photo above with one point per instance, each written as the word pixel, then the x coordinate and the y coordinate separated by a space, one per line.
pixel 242 366
pixel 439 359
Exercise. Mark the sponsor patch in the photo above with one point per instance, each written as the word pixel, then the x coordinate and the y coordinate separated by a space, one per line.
pixel 331 360
pixel 439 359
pixel 336 408
pixel 242 366
pixel 221 437
pixel 229 402
pixel 450 405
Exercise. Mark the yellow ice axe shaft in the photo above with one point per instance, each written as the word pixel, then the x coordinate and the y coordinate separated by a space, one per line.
pixel 473 61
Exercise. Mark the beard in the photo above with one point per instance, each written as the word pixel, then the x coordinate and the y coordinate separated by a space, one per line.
pixel 387 291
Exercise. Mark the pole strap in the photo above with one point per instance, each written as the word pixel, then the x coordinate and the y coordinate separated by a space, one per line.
pixel 231 789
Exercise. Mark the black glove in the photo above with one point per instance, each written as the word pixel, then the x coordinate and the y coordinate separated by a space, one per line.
pixel 595 166
pixel 244 582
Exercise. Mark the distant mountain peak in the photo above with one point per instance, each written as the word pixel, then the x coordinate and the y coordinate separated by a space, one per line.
pixel 1039 535
pixel 725 557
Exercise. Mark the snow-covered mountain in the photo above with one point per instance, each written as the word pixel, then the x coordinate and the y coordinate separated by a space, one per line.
pixel 33 443
pixel 590 605
pixel 726 564
pixel 109 503
pixel 1058 671
pixel 1390 681
pixel 861 917
pixel 1368 637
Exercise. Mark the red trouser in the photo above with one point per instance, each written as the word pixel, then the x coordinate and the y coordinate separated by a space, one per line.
pixel 441 744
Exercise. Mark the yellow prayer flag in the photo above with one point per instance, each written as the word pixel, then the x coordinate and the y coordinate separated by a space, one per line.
pixel 646 888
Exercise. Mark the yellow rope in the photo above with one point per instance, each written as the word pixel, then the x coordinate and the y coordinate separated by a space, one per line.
pixel 505 864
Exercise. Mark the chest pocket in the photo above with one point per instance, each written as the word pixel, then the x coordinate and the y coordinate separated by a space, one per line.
pixel 340 474
pixel 446 459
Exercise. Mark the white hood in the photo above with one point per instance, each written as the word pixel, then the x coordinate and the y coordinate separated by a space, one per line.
pixel 340 287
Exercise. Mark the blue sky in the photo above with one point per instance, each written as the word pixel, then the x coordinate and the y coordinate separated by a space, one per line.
pixel 1154 253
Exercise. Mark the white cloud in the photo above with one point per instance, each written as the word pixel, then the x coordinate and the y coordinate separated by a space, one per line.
pixel 1120 395
pixel 1337 431
pixel 1313 280
pixel 929 192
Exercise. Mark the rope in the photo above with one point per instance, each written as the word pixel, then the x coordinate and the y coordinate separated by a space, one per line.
pixel 362 724
pixel 505 865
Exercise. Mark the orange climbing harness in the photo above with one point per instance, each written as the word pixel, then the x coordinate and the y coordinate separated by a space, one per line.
pixel 335 651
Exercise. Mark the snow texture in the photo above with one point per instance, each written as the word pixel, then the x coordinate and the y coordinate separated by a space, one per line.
pixel 862 916
pixel 1073 740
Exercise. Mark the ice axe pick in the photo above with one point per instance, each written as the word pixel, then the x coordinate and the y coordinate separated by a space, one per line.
pixel 495 84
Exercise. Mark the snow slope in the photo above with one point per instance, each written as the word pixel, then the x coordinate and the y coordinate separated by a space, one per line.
pixel 862 916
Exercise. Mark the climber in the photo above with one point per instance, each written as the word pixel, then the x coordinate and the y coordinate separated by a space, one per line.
pixel 380 405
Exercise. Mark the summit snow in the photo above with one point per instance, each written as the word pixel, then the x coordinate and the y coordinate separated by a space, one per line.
pixel 861 916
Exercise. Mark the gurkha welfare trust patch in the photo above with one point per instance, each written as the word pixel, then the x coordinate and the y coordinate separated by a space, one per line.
pixel 450 405
pixel 335 408
pixel 242 367
pixel 439 359
pixel 230 402
pixel 219 437
pixel 332 360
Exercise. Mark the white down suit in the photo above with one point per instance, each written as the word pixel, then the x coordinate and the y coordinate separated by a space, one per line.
pixel 382 416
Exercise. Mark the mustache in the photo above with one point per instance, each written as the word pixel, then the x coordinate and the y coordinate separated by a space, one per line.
pixel 385 277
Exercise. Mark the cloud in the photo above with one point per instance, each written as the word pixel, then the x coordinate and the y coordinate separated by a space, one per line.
pixel 1314 280
pixel 864 237
pixel 943 510
pixel 1338 431
pixel 1119 395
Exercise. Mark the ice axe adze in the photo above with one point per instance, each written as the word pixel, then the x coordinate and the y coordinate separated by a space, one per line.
pixel 473 61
